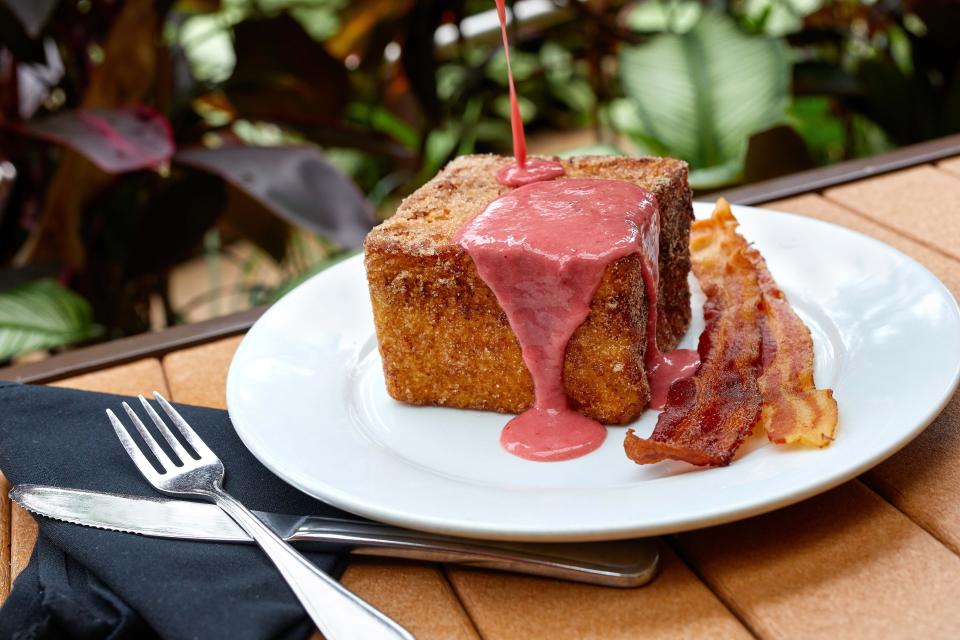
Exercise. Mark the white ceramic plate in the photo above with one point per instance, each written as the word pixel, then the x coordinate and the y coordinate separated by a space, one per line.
pixel 306 394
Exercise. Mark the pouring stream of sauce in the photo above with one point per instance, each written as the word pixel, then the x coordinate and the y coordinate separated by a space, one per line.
pixel 543 248
pixel 522 171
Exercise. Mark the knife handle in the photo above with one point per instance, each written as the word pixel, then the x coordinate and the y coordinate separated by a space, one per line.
pixel 625 563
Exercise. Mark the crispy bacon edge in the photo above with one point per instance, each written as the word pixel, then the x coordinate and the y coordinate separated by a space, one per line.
pixel 708 416
pixel 794 410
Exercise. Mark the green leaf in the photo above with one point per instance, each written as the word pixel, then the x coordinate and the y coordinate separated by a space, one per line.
pixel 599 149
pixel 716 176
pixel 823 132
pixel 208 46
pixel 557 61
pixel 524 65
pixel 42 314
pixel 576 93
pixel 528 108
pixel 493 131
pixel 701 94
pixel 450 79
pixel 673 16
pixel 625 116
pixel 382 120
pixel 440 145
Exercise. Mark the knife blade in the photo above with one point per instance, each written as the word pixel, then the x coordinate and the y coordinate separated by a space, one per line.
pixel 624 563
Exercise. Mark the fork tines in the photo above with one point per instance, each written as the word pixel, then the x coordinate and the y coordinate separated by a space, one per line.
pixel 185 458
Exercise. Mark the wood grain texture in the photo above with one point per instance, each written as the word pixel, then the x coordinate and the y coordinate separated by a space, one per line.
pixel 5 532
pixel 415 595
pixel 922 480
pixel 418 596
pixel 23 537
pixel 198 375
pixel 920 203
pixel 952 165
pixel 142 376
pixel 943 266
pixel 675 605
pixel 845 564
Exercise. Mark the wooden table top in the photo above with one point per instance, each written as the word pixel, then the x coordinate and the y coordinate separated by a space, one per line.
pixel 877 557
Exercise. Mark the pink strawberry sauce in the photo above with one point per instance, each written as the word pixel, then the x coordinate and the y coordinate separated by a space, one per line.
pixel 542 249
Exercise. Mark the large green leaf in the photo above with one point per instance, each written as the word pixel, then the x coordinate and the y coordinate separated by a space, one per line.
pixel 699 95
pixel 42 314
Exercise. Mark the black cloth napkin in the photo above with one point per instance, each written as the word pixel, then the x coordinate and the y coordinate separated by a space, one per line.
pixel 88 583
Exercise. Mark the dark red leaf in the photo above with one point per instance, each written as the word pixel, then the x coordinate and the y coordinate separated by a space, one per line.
pixel 116 140
pixel 284 74
pixel 172 223
pixel 295 182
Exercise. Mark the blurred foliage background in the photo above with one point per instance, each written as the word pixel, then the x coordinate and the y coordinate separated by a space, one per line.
pixel 163 161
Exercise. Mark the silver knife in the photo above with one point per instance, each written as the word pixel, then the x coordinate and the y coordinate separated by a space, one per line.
pixel 625 563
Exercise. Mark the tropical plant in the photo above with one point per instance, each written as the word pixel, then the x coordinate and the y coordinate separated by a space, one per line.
pixel 136 134
pixel 124 159
pixel 42 314
pixel 700 90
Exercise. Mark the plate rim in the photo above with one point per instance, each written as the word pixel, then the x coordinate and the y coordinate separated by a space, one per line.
pixel 342 499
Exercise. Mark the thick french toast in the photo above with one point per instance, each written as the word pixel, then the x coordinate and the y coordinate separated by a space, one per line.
pixel 444 338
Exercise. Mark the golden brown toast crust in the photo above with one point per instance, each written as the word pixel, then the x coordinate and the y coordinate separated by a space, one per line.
pixel 444 338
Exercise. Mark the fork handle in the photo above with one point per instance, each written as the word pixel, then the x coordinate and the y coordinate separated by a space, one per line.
pixel 336 611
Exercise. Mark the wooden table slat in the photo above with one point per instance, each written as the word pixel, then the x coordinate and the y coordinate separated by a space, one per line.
pixel 198 375
pixel 843 564
pixel 952 165
pixel 416 595
pixel 5 535
pixel 919 203
pixel 23 537
pixel 142 376
pixel 676 605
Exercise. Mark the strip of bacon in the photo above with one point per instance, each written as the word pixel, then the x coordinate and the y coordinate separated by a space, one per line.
pixel 794 410
pixel 707 417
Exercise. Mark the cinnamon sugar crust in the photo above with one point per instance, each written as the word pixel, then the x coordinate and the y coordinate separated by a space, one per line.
pixel 445 340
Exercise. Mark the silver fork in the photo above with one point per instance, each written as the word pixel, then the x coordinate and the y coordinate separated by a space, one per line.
pixel 337 612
